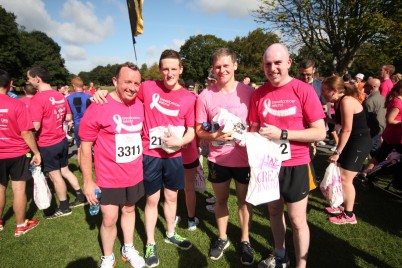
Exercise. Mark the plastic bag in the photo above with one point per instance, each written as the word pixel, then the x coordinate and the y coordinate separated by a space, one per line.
pixel 264 158
pixel 179 132
pixel 231 123
pixel 42 194
pixel 331 186
pixel 200 185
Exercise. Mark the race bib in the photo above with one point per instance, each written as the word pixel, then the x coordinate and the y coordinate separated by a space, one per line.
pixel 284 148
pixel 155 135
pixel 128 147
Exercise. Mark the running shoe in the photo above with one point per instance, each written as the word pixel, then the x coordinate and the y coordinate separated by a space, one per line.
pixel 335 211
pixel 29 225
pixel 192 225
pixel 343 219
pixel 216 251
pixel 275 262
pixel 179 241
pixel 58 213
pixel 247 255
pixel 321 143
pixel 151 256
pixel 78 202
pixel 129 254
pixel 210 208
pixel 108 262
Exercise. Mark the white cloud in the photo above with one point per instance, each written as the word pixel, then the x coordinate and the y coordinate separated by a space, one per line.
pixel 238 8
pixel 80 26
pixel 74 53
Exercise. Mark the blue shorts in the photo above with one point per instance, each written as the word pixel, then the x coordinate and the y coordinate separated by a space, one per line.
pixel 54 157
pixel 219 174
pixel 162 172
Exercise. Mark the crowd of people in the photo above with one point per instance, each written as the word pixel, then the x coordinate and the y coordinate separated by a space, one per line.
pixel 142 140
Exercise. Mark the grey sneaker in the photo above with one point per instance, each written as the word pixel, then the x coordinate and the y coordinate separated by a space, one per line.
pixel 151 256
pixel 108 262
pixel 179 241
pixel 192 225
pixel 216 251
pixel 247 255
pixel 275 262
pixel 211 200
pixel 210 208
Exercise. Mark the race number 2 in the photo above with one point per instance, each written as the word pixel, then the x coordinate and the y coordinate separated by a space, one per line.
pixel 284 148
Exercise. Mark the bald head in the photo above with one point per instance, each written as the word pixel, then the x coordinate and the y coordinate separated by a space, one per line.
pixel 372 85
pixel 276 64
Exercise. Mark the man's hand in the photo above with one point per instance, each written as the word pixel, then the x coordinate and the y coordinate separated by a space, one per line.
pixel 100 96
pixel 171 140
pixel 270 132
pixel 89 191
pixel 36 159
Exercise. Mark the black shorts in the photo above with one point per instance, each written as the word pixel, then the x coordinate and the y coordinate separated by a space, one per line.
pixel 355 152
pixel 17 168
pixel 192 165
pixel 385 149
pixel 122 196
pixel 54 157
pixel 296 182
pixel 219 174
pixel 162 172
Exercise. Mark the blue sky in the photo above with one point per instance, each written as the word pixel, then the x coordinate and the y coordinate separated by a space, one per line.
pixel 97 32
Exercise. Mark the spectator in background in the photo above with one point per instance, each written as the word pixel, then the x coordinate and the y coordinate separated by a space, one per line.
pixel 306 74
pixel 374 106
pixel 385 73
pixel 49 109
pixel 91 89
pixel 29 91
pixel 395 78
pixel 347 78
pixel 16 142
pixel 10 92
pixel 359 81
pixel 246 80
pixel 79 102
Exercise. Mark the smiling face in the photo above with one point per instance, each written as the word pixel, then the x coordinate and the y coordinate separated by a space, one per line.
pixel 224 69
pixel 170 70
pixel 127 84
pixel 276 64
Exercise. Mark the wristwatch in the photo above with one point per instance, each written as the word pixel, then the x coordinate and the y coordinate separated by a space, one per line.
pixel 337 152
pixel 284 134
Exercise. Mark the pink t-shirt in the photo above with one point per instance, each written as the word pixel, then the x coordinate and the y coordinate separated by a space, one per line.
pixel 162 108
pixel 14 118
pixel 292 106
pixel 237 103
pixel 386 87
pixel 393 134
pixel 50 109
pixel 26 100
pixel 115 129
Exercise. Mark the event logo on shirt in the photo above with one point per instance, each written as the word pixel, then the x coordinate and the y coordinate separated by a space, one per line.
pixel 126 124
pixel 53 101
pixel 269 108
pixel 157 101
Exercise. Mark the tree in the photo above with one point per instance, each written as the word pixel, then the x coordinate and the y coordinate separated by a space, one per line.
pixel 151 73
pixel 250 50
pixel 196 53
pixel 336 27
pixel 10 44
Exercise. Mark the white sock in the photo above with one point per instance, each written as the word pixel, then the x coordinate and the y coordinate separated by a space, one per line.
pixel 110 257
pixel 169 234
pixel 128 245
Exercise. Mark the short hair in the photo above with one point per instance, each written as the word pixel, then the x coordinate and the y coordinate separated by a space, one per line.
pixel 5 78
pixel 305 64
pixel 170 54
pixel 390 68
pixel 222 52
pixel 40 72
pixel 29 89
pixel 346 77
pixel 77 81
pixel 127 64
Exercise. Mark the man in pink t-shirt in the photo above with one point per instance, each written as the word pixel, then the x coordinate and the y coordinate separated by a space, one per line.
pixel 16 142
pixel 114 130
pixel 385 73
pixel 168 125
pixel 288 110
pixel 49 109
pixel 226 159
pixel 30 91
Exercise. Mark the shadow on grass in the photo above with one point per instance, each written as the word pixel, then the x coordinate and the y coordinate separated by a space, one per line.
pixel 87 262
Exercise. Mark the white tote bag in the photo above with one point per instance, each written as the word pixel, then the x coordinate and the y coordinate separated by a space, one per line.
pixel 331 186
pixel 42 195
pixel 264 158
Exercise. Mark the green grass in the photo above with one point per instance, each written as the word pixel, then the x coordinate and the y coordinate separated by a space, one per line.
pixel 73 241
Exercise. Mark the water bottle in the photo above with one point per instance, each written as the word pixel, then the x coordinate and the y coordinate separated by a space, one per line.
pixel 94 209
pixel 211 128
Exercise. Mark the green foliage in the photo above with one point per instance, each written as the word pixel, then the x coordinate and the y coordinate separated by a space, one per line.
pixel 196 56
pixel 152 73
pixel 337 28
